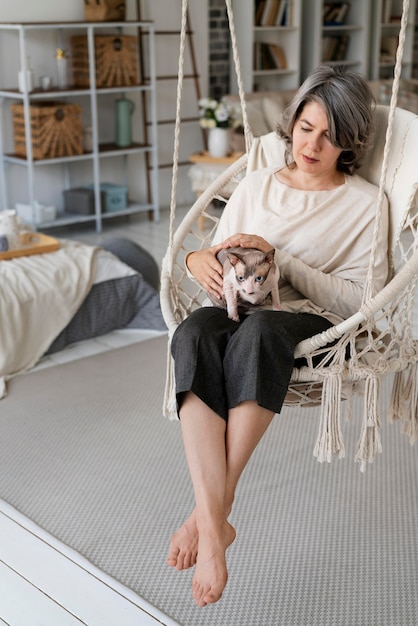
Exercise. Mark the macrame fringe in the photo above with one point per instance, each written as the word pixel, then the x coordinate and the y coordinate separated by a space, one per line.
pixel 330 441
pixel 170 401
pixel 3 387
pixel 369 443
pixel 404 401
pixel 348 393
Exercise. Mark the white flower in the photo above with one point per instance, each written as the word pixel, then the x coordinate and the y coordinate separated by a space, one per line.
pixel 213 113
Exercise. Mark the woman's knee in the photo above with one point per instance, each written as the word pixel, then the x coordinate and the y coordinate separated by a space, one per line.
pixel 204 326
pixel 264 324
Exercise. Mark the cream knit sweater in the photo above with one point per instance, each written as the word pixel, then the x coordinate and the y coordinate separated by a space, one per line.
pixel 322 239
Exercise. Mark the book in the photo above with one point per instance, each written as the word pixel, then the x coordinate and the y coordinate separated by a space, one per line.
pixel 271 9
pixel 334 48
pixel 268 56
pixel 278 56
pixel 335 13
pixel 342 48
pixel 259 10
pixel 344 9
pixel 282 18
pixel 388 48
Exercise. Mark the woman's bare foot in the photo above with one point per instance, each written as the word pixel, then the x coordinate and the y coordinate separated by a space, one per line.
pixel 211 574
pixel 182 553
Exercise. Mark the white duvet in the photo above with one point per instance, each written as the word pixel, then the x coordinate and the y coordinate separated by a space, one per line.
pixel 39 295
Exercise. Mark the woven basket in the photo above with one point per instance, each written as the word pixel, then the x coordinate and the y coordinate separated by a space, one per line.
pixel 116 59
pixel 104 10
pixel 56 128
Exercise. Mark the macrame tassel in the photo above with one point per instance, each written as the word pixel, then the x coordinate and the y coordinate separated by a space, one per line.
pixel 330 441
pixel 404 401
pixel 170 401
pixel 348 392
pixel 3 387
pixel 369 443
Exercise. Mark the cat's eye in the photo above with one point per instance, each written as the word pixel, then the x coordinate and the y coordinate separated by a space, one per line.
pixel 259 279
pixel 240 279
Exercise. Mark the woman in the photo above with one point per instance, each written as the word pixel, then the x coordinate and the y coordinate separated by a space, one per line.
pixel 231 378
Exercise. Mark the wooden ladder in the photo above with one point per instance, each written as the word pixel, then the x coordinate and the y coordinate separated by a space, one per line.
pixel 194 76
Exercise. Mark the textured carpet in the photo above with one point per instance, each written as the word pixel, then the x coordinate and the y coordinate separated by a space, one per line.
pixel 87 455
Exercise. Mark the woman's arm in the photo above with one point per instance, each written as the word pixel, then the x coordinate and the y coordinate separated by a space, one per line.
pixel 330 292
pixel 206 269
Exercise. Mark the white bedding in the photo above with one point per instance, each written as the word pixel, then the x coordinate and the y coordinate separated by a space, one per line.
pixel 39 296
pixel 75 295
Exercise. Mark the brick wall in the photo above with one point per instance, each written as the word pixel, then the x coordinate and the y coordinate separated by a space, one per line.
pixel 219 42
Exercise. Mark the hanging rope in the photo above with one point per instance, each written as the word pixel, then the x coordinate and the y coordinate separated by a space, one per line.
pixel 174 179
pixel 247 130
pixel 367 294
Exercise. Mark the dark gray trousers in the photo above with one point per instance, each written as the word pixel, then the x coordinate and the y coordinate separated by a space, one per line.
pixel 225 362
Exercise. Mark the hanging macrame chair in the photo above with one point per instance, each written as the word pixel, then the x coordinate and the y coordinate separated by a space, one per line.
pixel 380 334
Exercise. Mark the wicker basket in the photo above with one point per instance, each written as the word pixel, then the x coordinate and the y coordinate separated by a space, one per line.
pixel 56 128
pixel 116 59
pixel 104 10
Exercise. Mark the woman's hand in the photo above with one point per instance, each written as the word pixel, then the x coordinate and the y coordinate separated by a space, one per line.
pixel 207 270
pixel 247 241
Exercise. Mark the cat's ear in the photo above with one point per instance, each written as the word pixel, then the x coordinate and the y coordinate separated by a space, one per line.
pixel 269 256
pixel 233 258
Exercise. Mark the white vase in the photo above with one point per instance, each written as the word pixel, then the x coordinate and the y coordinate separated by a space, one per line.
pixel 218 142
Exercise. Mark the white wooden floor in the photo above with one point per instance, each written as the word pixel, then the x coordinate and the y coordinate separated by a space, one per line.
pixel 43 582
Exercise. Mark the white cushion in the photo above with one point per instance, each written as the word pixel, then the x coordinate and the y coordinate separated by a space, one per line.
pixel 256 119
pixel 273 107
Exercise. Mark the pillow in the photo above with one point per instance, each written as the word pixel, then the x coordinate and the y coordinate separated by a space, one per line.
pixel 273 107
pixel 256 117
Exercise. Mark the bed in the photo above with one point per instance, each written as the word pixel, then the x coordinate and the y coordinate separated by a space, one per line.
pixel 74 294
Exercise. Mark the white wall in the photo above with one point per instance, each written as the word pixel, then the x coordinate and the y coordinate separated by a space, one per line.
pixel 41 10
pixel 166 15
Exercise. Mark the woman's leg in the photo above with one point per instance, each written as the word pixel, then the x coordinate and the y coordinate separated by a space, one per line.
pixel 217 454
pixel 263 345
pixel 247 424
pixel 204 443
pixel 245 427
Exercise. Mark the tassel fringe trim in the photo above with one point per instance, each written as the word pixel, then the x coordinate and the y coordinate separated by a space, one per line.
pixel 170 401
pixel 404 401
pixel 330 441
pixel 369 443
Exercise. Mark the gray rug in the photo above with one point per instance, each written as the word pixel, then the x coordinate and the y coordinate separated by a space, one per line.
pixel 87 455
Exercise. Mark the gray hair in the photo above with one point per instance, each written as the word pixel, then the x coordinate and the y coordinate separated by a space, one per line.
pixel 348 102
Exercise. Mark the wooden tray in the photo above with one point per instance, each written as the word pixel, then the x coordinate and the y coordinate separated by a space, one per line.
pixel 32 243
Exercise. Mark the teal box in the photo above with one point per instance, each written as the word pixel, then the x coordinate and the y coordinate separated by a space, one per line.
pixel 115 197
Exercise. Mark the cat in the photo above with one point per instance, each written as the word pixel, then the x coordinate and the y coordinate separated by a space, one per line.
pixel 249 276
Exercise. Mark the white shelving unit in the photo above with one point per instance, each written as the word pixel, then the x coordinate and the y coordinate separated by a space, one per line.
pixel 106 160
pixel 317 36
pixel 249 37
pixel 386 26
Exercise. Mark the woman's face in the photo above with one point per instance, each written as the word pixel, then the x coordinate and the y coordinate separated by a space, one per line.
pixel 312 150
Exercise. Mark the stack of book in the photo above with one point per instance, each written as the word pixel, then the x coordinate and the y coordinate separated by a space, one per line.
pixel 388 48
pixel 268 56
pixel 334 48
pixel 272 12
pixel 335 13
